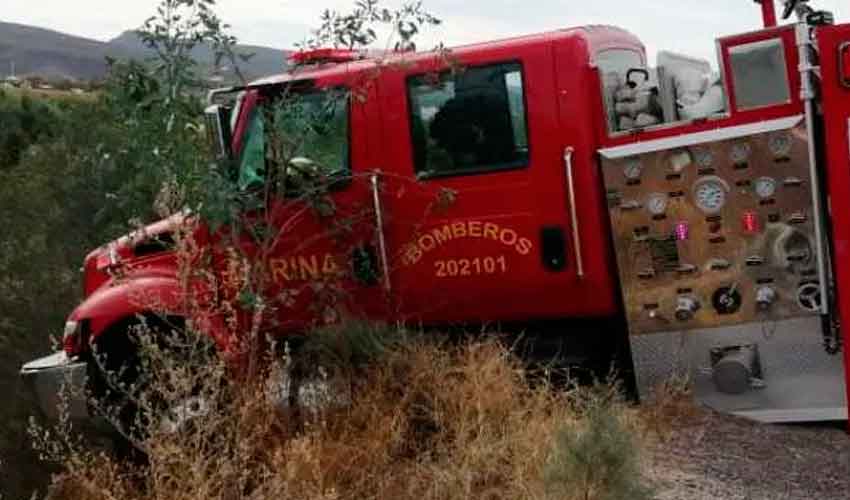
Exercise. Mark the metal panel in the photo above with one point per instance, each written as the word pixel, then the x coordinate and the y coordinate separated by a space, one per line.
pixel 721 267
pixel 723 233
pixel 800 381
pixel 682 141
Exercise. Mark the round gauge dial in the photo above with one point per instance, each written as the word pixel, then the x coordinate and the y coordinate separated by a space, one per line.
pixel 657 203
pixel 710 194
pixel 704 158
pixel 780 144
pixel 633 169
pixel 741 152
pixel 765 187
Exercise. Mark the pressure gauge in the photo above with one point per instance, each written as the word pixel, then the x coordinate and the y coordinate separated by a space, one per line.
pixel 741 153
pixel 704 158
pixel 780 144
pixel 765 187
pixel 633 169
pixel 710 194
pixel 657 203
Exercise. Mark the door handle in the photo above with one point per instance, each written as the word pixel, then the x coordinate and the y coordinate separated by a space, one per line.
pixel 844 64
pixel 571 191
pixel 379 221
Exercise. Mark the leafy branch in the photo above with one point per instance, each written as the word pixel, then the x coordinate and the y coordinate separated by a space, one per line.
pixel 179 27
pixel 359 28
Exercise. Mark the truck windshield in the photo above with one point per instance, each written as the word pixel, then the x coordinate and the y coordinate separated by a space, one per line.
pixel 295 138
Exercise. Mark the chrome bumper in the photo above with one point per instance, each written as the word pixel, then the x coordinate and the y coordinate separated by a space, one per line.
pixel 56 380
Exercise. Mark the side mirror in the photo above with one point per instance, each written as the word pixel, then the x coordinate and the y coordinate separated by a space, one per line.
pixel 218 130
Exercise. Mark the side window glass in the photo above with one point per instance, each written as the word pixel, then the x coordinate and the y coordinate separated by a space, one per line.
pixel 759 74
pixel 469 121
pixel 311 133
pixel 252 164
pixel 299 140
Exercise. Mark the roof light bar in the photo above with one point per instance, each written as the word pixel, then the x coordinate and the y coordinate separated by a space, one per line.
pixel 319 56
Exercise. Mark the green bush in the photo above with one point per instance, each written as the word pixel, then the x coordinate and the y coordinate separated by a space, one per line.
pixel 73 176
pixel 597 459
pixel 25 121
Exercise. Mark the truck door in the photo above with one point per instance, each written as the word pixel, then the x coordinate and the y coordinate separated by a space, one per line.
pixel 477 210
pixel 834 142
pixel 323 260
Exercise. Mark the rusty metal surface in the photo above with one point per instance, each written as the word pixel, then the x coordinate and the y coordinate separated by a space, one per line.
pixel 655 269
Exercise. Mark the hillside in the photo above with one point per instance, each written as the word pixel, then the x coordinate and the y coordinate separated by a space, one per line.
pixel 54 55
pixel 265 60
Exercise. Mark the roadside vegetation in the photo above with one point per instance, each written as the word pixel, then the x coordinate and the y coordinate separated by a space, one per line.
pixel 390 414
pixel 352 411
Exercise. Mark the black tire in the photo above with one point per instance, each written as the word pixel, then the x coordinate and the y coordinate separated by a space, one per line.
pixel 116 381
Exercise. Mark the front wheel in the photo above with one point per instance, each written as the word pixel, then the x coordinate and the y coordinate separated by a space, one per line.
pixel 147 376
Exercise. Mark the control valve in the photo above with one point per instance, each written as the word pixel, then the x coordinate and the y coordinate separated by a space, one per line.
pixel 686 307
pixel 765 297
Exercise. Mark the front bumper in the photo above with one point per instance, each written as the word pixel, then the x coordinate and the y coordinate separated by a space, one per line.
pixel 58 382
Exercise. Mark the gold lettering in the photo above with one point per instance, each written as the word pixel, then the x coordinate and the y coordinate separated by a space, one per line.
pixel 508 237
pixel 309 268
pixel 427 243
pixel 524 246
pixel 280 270
pixel 442 234
pixel 491 231
pixel 304 267
pixel 330 267
pixel 436 237
pixel 412 254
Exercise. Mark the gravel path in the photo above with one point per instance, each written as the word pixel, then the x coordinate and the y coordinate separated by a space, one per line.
pixel 725 458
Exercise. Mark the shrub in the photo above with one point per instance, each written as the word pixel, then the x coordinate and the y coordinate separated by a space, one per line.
pixel 430 420
pixel 598 458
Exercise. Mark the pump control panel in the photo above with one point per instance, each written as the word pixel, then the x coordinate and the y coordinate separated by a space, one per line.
pixel 716 228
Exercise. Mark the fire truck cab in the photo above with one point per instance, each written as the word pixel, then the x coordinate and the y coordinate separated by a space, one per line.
pixel 702 205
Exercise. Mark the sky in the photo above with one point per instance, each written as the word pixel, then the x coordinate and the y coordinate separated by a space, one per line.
pixel 685 26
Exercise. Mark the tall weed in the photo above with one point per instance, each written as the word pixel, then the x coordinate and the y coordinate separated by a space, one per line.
pixel 429 420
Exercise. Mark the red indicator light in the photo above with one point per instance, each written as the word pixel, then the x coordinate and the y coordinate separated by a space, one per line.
pixel 751 222
pixel 682 231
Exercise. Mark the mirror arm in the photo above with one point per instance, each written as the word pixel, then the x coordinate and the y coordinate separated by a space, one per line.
pixel 212 94
pixel 218 130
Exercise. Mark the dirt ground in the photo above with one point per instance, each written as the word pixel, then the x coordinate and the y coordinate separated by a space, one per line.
pixel 719 457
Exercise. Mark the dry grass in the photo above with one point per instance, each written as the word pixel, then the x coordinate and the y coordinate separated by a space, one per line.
pixel 671 408
pixel 428 421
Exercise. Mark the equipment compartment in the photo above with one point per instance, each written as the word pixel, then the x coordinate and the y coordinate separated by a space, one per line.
pixel 715 228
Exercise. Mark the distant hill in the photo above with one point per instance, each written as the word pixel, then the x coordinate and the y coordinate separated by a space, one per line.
pixel 54 55
pixel 265 61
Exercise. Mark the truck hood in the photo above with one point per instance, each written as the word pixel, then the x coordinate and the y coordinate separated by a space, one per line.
pixel 143 243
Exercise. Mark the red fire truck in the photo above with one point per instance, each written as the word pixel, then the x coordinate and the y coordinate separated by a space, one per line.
pixel 697 212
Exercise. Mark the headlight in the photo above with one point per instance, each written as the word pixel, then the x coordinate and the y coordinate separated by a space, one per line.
pixel 70 330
